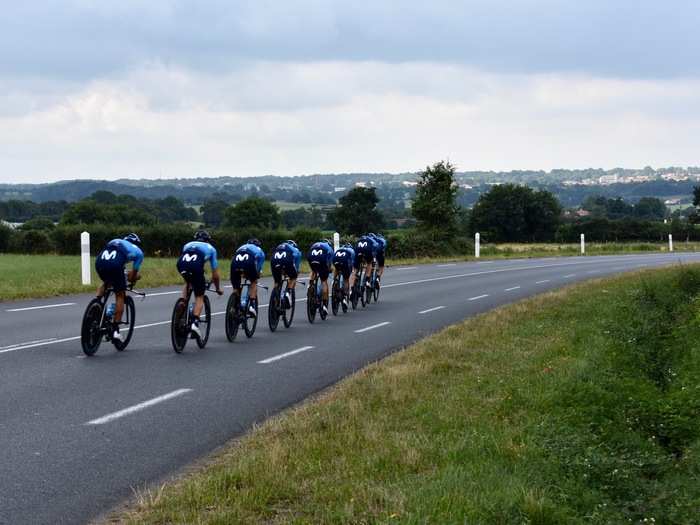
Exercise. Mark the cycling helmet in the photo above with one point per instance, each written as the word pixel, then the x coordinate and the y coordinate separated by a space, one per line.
pixel 327 241
pixel 202 236
pixel 372 235
pixel 291 242
pixel 255 241
pixel 133 239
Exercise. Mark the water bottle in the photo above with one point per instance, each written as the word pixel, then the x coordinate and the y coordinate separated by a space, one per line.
pixel 110 310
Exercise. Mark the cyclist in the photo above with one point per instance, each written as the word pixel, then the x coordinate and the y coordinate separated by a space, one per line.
pixel 381 254
pixel 248 260
pixel 286 260
pixel 320 258
pixel 193 258
pixel 365 251
pixel 343 261
pixel 110 266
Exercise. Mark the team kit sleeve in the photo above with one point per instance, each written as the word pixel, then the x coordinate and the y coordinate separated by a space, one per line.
pixel 137 258
pixel 214 261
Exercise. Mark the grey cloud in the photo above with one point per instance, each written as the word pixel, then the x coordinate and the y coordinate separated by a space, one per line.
pixel 83 39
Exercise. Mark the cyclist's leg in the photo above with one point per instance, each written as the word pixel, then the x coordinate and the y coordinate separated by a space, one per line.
pixel 380 264
pixel 119 310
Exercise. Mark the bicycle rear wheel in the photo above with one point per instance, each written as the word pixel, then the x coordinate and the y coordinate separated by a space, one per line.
pixel 273 310
pixel 311 302
pixel 232 319
pixel 178 325
pixel 130 313
pixel 375 288
pixel 206 321
pixel 90 330
pixel 355 293
pixel 363 295
pixel 288 313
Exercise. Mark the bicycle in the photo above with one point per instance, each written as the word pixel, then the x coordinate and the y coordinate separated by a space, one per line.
pixel 314 300
pixel 97 322
pixel 237 313
pixel 373 288
pixel 182 318
pixel 277 309
pixel 338 294
pixel 356 294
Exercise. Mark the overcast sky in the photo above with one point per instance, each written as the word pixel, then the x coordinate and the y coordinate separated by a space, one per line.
pixel 103 89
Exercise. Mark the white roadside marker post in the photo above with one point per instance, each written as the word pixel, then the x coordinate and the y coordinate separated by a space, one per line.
pixel 85 257
pixel 670 242
pixel 583 244
pixel 336 241
pixel 477 245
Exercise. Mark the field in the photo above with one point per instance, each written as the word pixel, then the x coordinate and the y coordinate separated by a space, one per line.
pixel 578 406
pixel 29 276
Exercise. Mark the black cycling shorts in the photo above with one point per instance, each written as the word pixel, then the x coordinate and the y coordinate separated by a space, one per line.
pixel 344 268
pixel 193 274
pixel 243 266
pixel 361 257
pixel 281 264
pixel 110 267
pixel 319 265
pixel 380 258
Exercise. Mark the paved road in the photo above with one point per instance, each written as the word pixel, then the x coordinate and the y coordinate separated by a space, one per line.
pixel 78 433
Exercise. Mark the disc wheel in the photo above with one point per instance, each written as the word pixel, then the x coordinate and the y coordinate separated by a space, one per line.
pixel 130 313
pixel 90 331
pixel 362 294
pixel 311 302
pixel 178 325
pixel 232 320
pixel 355 293
pixel 336 297
pixel 375 289
pixel 288 313
pixel 273 310
pixel 204 324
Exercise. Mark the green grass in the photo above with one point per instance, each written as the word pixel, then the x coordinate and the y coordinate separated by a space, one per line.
pixel 578 406
pixel 31 276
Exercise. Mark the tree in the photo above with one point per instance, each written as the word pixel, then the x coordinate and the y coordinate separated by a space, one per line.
pixel 650 208
pixel 696 196
pixel 357 212
pixel 435 203
pixel 213 212
pixel 253 212
pixel 513 213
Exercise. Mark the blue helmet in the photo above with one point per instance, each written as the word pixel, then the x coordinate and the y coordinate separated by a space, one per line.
pixel 133 239
pixel 255 241
pixel 291 242
pixel 202 236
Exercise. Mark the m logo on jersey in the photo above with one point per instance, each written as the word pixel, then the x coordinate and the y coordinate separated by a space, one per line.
pixel 362 244
pixel 340 254
pixel 241 257
pixel 316 252
pixel 109 255
pixel 280 255
pixel 190 257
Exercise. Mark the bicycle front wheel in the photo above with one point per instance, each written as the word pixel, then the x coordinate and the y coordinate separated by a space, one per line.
pixel 90 330
pixel 288 313
pixel 204 323
pixel 130 313
pixel 335 298
pixel 232 320
pixel 250 322
pixel 311 302
pixel 273 310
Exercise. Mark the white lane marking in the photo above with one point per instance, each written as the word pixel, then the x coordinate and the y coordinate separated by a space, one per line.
pixel 39 307
pixel 486 262
pixel 368 328
pixel 570 275
pixel 406 268
pixel 446 265
pixel 163 293
pixel 593 271
pixel 286 354
pixel 478 297
pixel 40 342
pixel 512 288
pixel 540 282
pixel 8 347
pixel 137 408
pixel 431 309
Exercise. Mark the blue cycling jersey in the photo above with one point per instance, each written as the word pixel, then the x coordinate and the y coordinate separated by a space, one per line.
pixel 344 255
pixel 131 252
pixel 257 253
pixel 206 250
pixel 381 242
pixel 326 249
pixel 366 244
pixel 296 253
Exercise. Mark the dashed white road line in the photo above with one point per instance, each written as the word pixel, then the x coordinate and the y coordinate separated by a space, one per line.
pixel 406 268
pixel 39 307
pixel 137 408
pixel 541 282
pixel 512 288
pixel 372 327
pixel 431 309
pixel 15 346
pixel 286 354
pixel 478 297
pixel 446 265
pixel 33 344
pixel 568 276
pixel 163 293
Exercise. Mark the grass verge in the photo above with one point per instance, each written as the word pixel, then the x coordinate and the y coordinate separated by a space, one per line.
pixel 578 406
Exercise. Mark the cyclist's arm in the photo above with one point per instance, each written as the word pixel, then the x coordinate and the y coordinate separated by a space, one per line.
pixel 215 275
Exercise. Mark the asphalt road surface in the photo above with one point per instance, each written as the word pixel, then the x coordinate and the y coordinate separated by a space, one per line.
pixel 77 433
